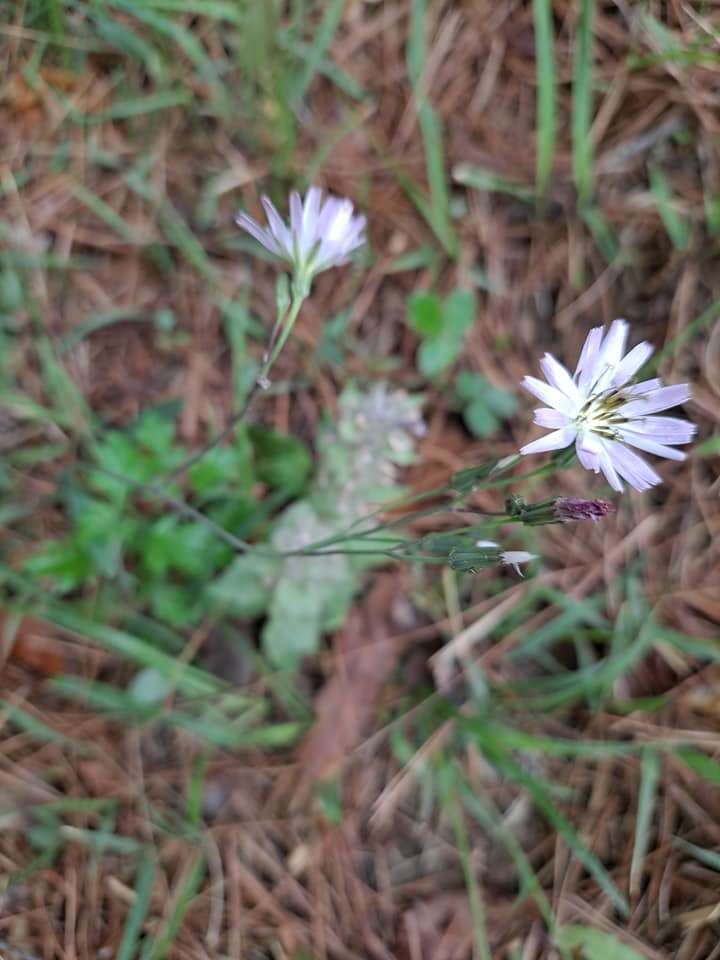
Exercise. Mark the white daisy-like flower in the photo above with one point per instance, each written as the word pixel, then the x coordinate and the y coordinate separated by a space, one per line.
pixel 603 413
pixel 322 232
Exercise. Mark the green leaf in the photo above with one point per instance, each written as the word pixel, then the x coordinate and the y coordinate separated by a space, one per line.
pixel 294 626
pixel 435 355
pixel 173 603
pixel 155 431
pixel 442 326
pixel 699 763
pixel 425 314
pixel 65 564
pixel 245 589
pixel 594 944
pixel 479 419
pixel 708 448
pixel 501 403
pixel 483 403
pixel 459 312
pixel 159 545
pixel 281 461
pixel 224 469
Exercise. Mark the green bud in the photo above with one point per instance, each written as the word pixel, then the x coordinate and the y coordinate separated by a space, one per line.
pixel 282 294
pixel 464 481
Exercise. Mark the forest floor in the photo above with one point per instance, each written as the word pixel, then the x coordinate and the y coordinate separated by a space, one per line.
pixel 130 135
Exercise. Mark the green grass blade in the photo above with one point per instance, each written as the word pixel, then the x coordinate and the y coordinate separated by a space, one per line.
pixel 159 948
pixel 103 212
pixel 316 53
pixel 602 233
pixel 477 907
pixel 138 106
pixel 129 43
pixel 649 776
pixel 438 214
pixel 487 181
pixel 711 858
pixel 133 924
pixel 582 156
pixel 676 226
pixel 186 679
pixel 190 46
pixel 696 325
pixel 491 821
pixel 546 123
pixel 545 804
pixel 27 723
pixel 699 763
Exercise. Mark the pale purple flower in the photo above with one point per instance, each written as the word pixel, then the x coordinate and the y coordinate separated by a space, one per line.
pixel 322 232
pixel 603 412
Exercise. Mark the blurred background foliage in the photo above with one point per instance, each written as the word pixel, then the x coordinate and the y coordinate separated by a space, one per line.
pixel 208 753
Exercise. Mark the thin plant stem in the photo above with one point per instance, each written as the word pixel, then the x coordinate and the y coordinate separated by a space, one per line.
pixel 278 339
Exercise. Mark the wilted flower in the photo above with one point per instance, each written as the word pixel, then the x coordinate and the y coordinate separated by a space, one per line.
pixel 556 510
pixel 322 232
pixel 600 410
pixel 575 508
pixel 510 558
pixel 513 558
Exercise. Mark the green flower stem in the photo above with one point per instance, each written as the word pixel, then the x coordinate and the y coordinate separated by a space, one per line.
pixel 281 332
pixel 285 329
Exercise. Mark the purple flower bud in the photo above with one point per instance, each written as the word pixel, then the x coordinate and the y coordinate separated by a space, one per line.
pixel 574 508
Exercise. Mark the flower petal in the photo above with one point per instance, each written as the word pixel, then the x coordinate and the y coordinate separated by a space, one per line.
pixel 278 228
pixel 613 345
pixel 310 219
pixel 552 419
pixel 631 467
pixel 631 363
pixel 608 468
pixel 643 442
pixel 296 212
pixel 662 398
pixel 588 357
pixel 640 389
pixel 552 441
pixel 549 395
pixel 261 234
pixel 557 376
pixel 663 429
pixel 589 449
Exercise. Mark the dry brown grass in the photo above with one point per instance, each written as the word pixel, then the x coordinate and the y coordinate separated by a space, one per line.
pixel 282 879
